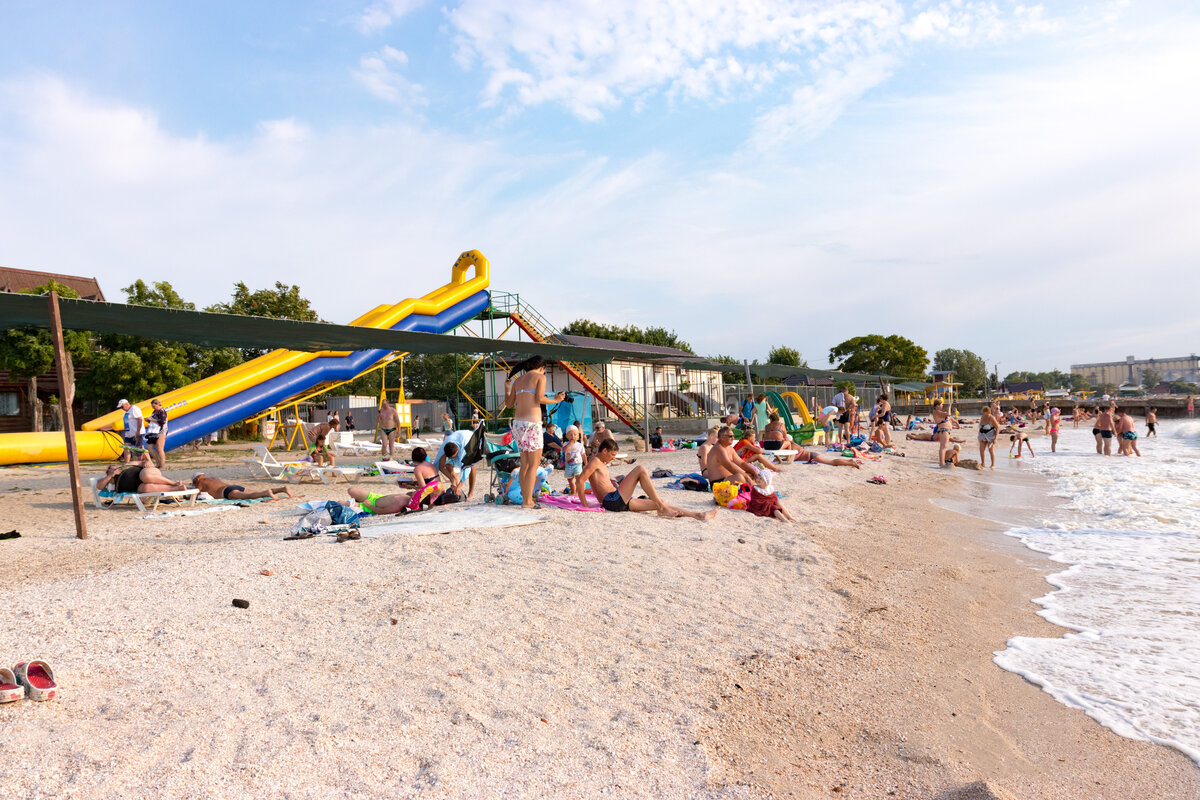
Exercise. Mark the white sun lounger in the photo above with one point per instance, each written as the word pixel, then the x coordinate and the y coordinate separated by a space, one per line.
pixel 146 501
pixel 347 445
pixel 266 462
pixel 296 473
pixel 393 469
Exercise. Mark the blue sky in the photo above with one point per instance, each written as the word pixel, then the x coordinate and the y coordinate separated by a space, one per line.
pixel 1017 179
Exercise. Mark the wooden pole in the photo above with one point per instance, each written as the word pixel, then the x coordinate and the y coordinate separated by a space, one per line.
pixel 66 394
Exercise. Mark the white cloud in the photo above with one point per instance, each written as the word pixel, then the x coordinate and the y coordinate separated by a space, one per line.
pixel 376 71
pixel 381 15
pixel 592 57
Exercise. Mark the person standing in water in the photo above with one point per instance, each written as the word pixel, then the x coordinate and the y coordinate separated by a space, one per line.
pixel 1052 425
pixel 526 394
pixel 1103 431
pixel 1152 423
pixel 988 427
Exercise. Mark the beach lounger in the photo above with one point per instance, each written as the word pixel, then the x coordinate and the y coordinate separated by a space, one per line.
pixel 393 469
pixel 346 445
pixel 146 501
pixel 266 462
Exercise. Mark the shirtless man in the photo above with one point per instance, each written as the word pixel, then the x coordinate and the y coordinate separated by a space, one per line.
pixel 220 489
pixel 851 411
pixel 988 425
pixel 1152 423
pixel 1103 431
pixel 139 478
pixel 599 434
pixel 389 421
pixel 318 449
pixel 620 498
pixel 706 445
pixel 920 436
pixel 1125 429
pixel 723 464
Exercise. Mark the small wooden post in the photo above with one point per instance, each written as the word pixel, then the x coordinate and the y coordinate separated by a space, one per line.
pixel 66 394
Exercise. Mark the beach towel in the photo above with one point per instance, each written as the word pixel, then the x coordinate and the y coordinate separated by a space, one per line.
pixel 570 502
pixel 692 482
pixel 448 519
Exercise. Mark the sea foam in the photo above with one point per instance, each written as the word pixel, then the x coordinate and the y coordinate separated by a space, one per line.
pixel 1131 595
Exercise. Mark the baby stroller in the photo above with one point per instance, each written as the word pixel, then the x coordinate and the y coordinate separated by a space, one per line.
pixel 505 461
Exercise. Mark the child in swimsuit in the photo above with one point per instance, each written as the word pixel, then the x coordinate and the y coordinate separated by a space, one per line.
pixel 573 457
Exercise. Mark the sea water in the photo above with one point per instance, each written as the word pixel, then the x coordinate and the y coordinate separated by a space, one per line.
pixel 1130 596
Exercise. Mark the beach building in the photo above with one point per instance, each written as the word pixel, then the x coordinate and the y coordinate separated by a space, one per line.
pixel 1180 368
pixel 25 401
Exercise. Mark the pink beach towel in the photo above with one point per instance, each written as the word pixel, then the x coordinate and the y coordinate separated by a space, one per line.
pixel 570 502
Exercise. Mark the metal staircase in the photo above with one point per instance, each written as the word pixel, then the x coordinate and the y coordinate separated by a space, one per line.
pixel 618 400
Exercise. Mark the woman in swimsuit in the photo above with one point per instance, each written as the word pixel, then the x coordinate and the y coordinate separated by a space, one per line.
pixel 943 422
pixel 774 435
pixel 526 395
pixel 883 419
pixel 987 435
pixel 1052 426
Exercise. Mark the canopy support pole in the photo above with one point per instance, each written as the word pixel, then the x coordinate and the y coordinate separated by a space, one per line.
pixel 66 398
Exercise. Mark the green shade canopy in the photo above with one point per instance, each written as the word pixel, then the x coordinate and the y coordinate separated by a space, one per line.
pixel 782 371
pixel 232 330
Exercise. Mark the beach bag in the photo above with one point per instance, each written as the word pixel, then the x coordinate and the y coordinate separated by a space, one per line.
pixel 321 519
pixel 731 495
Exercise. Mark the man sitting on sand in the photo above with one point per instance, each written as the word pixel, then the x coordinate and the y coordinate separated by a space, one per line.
pixel 721 463
pixel 220 489
pixel 318 449
pixel 139 478
pixel 449 461
pixel 620 498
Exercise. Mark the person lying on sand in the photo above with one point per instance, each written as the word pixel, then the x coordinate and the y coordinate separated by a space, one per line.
pixel 620 498
pixel 141 477
pixel 219 488
pixel 929 437
pixel 375 504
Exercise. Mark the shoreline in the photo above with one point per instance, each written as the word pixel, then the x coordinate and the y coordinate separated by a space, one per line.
pixel 633 655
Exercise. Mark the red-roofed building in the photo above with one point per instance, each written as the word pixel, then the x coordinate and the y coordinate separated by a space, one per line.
pixel 15 411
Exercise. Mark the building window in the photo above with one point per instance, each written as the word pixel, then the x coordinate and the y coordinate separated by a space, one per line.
pixel 626 378
pixel 10 404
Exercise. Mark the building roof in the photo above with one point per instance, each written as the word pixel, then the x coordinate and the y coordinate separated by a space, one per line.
pixel 16 280
pixel 1022 386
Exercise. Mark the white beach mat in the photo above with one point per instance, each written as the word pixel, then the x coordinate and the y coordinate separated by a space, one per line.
pixel 447 521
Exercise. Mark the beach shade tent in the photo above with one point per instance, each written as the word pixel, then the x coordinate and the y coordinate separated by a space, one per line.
pixel 576 409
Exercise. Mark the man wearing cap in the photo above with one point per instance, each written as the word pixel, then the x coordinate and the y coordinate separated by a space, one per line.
pixel 222 490
pixel 133 434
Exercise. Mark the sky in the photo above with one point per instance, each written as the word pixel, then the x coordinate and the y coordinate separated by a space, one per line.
pixel 1017 179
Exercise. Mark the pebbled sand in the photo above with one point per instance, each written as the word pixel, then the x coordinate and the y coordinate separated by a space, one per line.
pixel 596 654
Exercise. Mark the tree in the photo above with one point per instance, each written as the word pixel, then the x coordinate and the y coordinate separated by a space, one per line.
pixel 893 355
pixel 787 356
pixel 1184 387
pixel 282 302
pixel 969 368
pixel 735 375
pixel 26 353
pixel 123 365
pixel 1150 379
pixel 659 337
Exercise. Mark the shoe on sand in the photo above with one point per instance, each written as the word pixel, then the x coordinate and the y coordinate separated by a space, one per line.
pixel 37 678
pixel 10 690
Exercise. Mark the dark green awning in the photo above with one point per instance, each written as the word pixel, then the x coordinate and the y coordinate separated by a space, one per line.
pixel 232 330
pixel 782 371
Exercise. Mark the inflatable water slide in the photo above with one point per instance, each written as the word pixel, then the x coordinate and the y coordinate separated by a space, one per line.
pixel 253 387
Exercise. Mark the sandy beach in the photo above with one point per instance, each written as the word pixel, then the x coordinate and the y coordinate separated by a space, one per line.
pixel 846 655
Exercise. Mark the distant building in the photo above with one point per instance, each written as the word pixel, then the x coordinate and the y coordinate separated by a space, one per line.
pixel 1183 368
pixel 16 414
